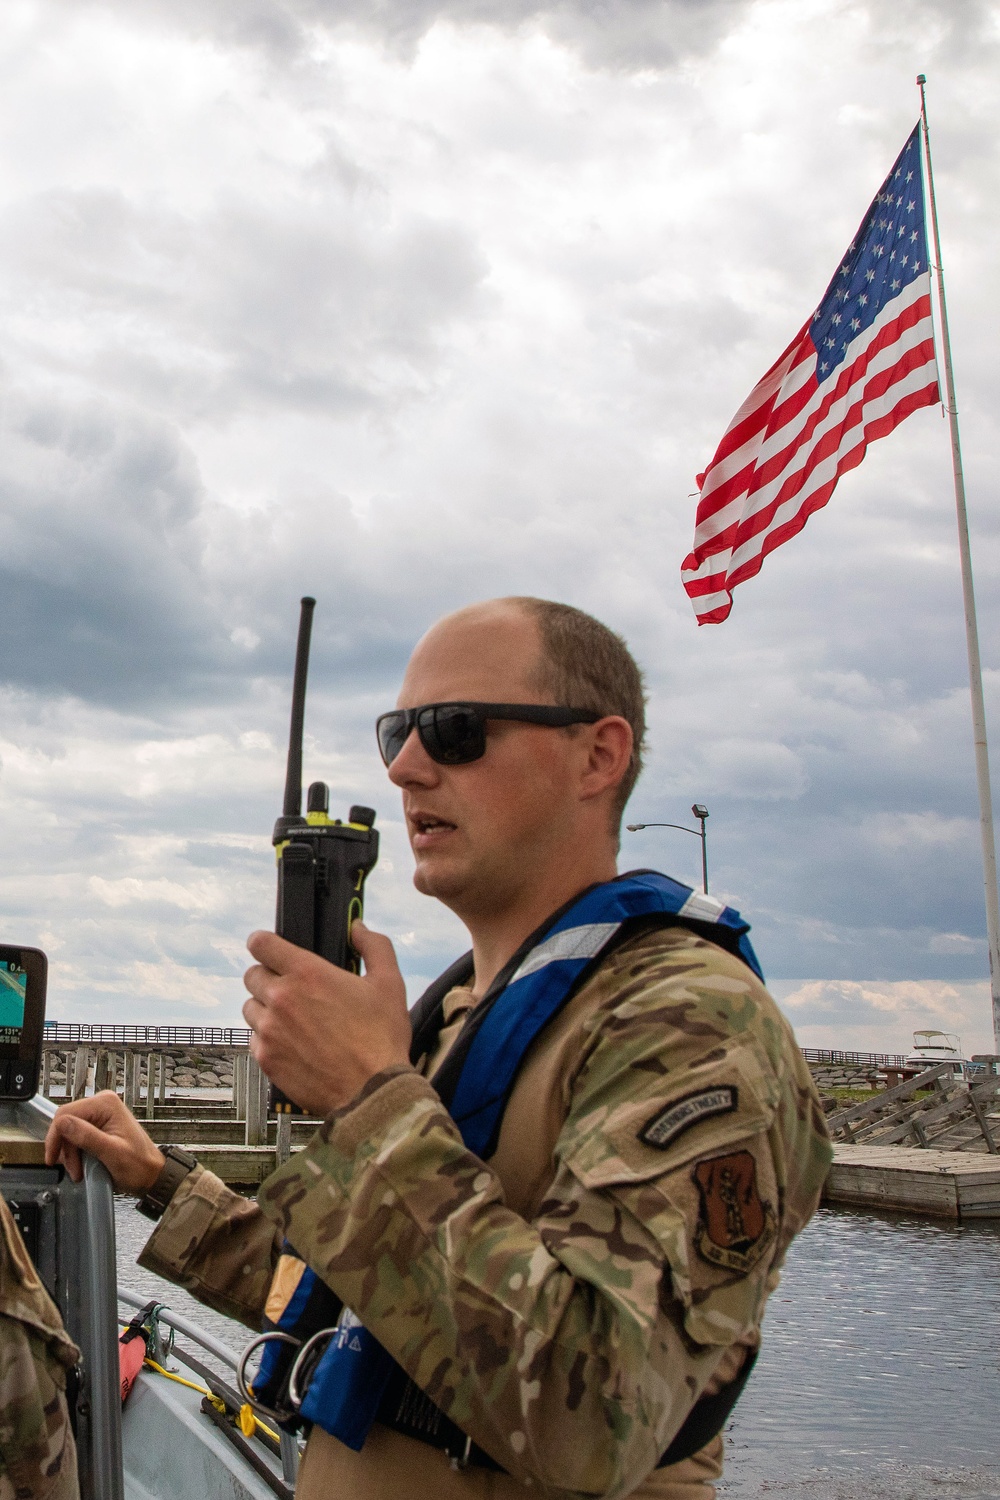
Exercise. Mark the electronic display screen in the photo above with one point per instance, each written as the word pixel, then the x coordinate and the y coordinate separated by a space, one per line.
pixel 13 988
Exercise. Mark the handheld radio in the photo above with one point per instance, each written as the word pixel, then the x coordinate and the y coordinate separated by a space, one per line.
pixel 322 862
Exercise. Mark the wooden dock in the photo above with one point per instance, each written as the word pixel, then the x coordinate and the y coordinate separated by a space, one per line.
pixel 910 1179
pixel 239 1166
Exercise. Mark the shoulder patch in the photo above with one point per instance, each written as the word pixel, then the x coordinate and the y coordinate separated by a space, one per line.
pixel 735 1228
pixel 669 1123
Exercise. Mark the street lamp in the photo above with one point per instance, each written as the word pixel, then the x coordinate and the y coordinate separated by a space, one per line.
pixel 701 813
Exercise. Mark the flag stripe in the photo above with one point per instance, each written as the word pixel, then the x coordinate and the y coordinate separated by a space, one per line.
pixel 826 468
pixel 825 432
pixel 767 455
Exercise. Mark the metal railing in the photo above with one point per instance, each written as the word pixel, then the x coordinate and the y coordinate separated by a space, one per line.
pixel 138 1036
pixel 854 1059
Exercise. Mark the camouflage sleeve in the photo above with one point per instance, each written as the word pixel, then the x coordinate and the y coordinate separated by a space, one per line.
pixel 37 1452
pixel 571 1348
pixel 216 1245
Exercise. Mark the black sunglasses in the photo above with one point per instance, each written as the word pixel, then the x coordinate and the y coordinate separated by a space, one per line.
pixel 455 733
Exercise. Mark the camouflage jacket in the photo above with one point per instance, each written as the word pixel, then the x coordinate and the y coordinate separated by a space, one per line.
pixel 566 1318
pixel 37 1452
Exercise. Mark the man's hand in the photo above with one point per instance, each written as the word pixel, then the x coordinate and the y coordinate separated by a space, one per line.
pixel 320 1033
pixel 104 1127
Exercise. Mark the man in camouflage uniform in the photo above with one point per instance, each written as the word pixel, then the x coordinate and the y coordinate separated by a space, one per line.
pixel 37 1452
pixel 569 1301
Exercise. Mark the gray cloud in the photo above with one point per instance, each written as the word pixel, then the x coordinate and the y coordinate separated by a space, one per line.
pixel 630 34
pixel 101 541
pixel 334 306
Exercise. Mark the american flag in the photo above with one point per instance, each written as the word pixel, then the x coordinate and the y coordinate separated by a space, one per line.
pixel 862 362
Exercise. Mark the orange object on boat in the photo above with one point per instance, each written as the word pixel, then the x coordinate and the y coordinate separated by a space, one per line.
pixel 131 1353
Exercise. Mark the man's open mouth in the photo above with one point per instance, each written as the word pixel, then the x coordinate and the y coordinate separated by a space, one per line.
pixel 426 823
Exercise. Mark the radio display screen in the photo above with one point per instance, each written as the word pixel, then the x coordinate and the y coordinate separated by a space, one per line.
pixel 13 988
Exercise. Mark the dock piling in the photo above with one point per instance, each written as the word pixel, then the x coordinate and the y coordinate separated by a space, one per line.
pixel 81 1067
pixel 257 1086
pixel 151 1061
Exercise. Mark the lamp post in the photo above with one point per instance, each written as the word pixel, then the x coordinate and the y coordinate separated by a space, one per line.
pixel 701 813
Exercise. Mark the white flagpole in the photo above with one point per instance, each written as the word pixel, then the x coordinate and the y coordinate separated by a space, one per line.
pixel 968 591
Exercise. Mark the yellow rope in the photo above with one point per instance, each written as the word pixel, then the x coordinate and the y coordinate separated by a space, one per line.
pixel 249 1421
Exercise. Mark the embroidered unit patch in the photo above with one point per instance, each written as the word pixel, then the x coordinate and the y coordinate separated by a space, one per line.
pixel 736 1228
pixel 665 1126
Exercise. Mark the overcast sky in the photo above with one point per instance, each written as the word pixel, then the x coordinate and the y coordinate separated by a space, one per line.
pixel 405 305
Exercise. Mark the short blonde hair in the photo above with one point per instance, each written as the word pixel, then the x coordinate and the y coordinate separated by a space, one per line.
pixel 586 665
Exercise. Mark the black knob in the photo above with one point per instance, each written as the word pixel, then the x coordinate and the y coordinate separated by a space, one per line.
pixel 318 797
pixel 364 815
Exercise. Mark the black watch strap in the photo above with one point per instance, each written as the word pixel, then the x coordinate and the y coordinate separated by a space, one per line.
pixel 176 1167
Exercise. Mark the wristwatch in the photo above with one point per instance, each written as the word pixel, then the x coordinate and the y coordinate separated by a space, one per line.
pixel 176 1167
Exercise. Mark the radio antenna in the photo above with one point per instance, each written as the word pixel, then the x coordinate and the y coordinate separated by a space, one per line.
pixel 293 775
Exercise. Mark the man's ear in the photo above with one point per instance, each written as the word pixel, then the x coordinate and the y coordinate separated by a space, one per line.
pixel 609 752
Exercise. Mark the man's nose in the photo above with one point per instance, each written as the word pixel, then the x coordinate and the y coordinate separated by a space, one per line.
pixel 413 766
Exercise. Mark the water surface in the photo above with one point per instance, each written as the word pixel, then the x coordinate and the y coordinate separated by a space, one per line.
pixel 880 1367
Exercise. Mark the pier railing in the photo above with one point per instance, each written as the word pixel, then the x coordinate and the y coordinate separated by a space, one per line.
pixel 106 1034
pixel 854 1059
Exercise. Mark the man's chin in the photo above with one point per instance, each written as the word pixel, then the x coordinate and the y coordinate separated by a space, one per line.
pixel 439 878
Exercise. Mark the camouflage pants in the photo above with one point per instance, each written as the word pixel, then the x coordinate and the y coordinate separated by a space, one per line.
pixel 391 1465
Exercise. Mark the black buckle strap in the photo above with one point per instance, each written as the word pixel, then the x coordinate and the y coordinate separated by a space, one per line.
pixel 404 1408
pixel 707 1418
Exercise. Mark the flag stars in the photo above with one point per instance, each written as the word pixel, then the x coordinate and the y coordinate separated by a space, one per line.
pixel 892 233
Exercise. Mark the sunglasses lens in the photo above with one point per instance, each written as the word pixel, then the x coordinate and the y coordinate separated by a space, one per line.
pixel 452 734
pixel 392 735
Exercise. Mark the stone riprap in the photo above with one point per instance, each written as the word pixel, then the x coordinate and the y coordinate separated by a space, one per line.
pixel 846 1075
pixel 200 1067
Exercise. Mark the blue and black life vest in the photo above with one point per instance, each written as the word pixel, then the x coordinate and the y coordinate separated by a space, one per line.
pixel 346 1379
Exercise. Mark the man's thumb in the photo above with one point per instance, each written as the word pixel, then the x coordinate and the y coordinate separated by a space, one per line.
pixel 375 948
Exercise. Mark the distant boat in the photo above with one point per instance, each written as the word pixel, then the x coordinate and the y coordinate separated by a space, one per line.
pixel 932 1047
